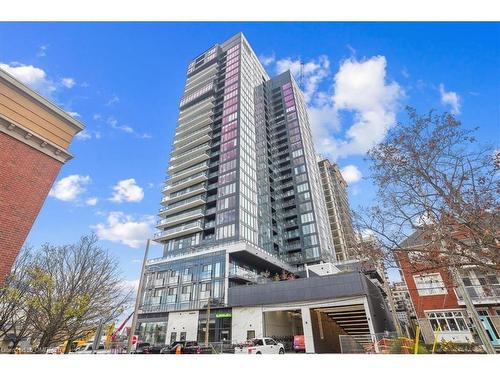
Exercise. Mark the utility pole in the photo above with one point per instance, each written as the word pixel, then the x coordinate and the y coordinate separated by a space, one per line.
pixel 471 310
pixel 138 298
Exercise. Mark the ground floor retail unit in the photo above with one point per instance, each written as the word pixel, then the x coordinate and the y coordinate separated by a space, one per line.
pixel 321 309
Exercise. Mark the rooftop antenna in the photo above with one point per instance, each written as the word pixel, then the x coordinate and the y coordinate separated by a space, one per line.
pixel 301 76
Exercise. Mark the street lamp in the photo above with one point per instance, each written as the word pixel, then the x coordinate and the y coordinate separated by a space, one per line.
pixel 138 298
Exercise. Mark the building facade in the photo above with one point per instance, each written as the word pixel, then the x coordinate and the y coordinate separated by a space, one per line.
pixel 439 307
pixel 34 144
pixel 242 202
pixel 338 210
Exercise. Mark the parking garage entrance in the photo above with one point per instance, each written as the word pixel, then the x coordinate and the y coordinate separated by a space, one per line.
pixel 283 326
pixel 328 323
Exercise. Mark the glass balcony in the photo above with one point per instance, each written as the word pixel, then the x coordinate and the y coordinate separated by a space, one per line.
pixel 189 153
pixel 178 231
pixel 172 280
pixel 195 111
pixel 187 278
pixel 195 159
pixel 210 211
pixel 481 294
pixel 183 194
pixel 177 219
pixel 159 282
pixel 188 127
pixel 184 174
pixel 183 205
pixel 237 272
pixel 200 137
pixel 210 224
pixel 185 182
pixel 292 234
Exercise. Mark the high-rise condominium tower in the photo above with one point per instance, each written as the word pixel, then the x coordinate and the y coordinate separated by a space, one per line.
pixel 337 205
pixel 243 195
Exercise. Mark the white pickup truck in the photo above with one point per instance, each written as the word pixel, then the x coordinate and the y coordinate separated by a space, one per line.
pixel 264 345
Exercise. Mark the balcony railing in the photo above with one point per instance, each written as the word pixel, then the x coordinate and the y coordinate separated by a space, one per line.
pixel 481 294
pixel 184 202
pixel 190 153
pixel 245 274
pixel 177 184
pixel 185 193
pixel 169 233
pixel 196 159
pixel 187 172
pixel 181 217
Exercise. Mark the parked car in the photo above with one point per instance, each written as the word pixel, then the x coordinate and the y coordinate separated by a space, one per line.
pixel 87 349
pixel 186 347
pixel 53 350
pixel 299 344
pixel 142 348
pixel 265 345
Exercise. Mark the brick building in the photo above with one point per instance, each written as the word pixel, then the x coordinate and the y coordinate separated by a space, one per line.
pixel 440 309
pixel 34 139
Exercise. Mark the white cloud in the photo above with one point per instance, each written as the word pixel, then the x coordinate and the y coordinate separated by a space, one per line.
pixel 42 50
pixel 311 73
pixel 113 100
pixel 97 117
pixel 125 229
pixel 351 174
pixel 450 98
pixel 73 114
pixel 68 82
pixel 361 89
pixel 127 191
pixel 69 188
pixel 84 135
pixel 267 60
pixel 91 201
pixel 31 76
pixel 113 122
pixel 128 285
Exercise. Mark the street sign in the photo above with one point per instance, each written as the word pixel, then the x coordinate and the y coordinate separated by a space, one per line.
pixel 133 342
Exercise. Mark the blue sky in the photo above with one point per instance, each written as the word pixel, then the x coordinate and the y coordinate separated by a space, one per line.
pixel 124 82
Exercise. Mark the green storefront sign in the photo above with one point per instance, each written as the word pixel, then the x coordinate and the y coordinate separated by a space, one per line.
pixel 223 315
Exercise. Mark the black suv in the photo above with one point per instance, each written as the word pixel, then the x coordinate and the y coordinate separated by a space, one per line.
pixel 187 347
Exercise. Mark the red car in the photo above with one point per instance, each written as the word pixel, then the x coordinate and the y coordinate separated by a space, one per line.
pixel 299 344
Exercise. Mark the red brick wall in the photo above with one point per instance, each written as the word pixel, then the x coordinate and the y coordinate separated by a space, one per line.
pixel 432 302
pixel 26 176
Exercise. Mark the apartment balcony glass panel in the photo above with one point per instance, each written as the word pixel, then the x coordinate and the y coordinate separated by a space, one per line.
pixel 188 172
pixel 188 134
pixel 202 136
pixel 481 294
pixel 177 185
pixel 175 167
pixel 183 194
pixel 180 218
pixel 191 153
pixel 183 205
pixel 196 110
pixel 189 228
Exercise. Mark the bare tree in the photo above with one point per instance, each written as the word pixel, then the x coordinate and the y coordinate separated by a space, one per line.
pixel 433 177
pixel 73 288
pixel 14 313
